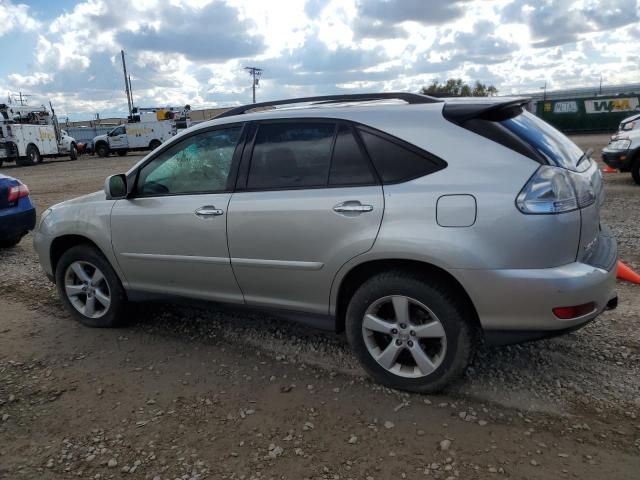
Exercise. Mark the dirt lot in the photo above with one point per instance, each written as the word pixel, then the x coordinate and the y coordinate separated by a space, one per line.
pixel 205 391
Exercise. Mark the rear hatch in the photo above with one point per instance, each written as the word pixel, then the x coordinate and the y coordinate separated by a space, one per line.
pixel 508 123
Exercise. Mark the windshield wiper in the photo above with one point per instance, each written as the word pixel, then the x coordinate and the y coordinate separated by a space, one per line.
pixel 586 154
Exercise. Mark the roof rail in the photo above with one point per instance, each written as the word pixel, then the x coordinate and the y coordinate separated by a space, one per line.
pixel 411 98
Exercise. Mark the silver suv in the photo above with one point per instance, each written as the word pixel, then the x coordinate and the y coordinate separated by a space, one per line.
pixel 418 226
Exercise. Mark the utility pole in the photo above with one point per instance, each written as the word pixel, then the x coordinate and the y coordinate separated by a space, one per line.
pixel 601 84
pixel 255 73
pixel 126 82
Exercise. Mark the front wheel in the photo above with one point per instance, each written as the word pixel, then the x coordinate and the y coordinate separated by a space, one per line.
pixel 73 152
pixel 409 333
pixel 90 288
pixel 102 150
pixel 635 170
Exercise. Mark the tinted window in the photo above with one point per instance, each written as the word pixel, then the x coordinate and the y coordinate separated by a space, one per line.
pixel 349 166
pixel 199 163
pixel 291 155
pixel 393 162
pixel 118 131
pixel 549 142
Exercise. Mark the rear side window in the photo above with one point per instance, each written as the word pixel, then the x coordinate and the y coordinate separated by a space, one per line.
pixel 291 155
pixel 396 163
pixel 349 166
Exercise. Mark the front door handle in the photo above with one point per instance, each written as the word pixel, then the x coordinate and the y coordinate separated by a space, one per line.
pixel 208 211
pixel 352 206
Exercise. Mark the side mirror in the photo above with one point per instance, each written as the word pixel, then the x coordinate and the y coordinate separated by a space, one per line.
pixel 115 186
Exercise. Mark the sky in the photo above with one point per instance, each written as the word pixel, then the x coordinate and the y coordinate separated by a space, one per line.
pixel 194 51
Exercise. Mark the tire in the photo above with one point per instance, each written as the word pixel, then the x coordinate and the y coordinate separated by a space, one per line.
pixel 33 156
pixel 73 152
pixel 449 341
pixel 102 150
pixel 108 286
pixel 154 144
pixel 10 242
pixel 122 153
pixel 635 171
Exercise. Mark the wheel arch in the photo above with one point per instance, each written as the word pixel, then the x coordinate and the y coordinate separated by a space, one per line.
pixel 63 243
pixel 357 275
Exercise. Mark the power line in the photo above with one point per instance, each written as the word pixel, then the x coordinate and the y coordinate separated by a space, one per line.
pixel 255 73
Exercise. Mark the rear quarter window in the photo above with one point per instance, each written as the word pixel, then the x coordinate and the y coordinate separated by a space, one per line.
pixel 395 161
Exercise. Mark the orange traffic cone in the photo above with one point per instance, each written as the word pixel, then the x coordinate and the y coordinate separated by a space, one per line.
pixel 625 273
pixel 608 169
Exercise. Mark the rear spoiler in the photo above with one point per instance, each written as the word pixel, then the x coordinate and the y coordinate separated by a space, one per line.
pixel 460 112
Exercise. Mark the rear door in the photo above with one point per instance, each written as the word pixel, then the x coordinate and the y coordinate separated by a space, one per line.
pixel 307 201
pixel 170 237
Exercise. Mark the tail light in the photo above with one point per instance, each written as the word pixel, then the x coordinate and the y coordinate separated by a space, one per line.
pixel 555 190
pixel 16 192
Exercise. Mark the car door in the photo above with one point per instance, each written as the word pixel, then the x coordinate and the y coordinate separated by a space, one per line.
pixel 307 201
pixel 118 138
pixel 170 236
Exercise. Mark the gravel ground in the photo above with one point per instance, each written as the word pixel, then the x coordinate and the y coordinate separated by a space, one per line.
pixel 207 391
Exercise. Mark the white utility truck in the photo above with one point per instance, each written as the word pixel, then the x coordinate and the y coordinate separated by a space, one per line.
pixel 28 135
pixel 146 129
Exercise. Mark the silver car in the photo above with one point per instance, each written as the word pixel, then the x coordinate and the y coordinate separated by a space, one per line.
pixel 418 226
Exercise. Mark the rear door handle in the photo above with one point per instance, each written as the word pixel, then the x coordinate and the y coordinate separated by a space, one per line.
pixel 208 211
pixel 352 206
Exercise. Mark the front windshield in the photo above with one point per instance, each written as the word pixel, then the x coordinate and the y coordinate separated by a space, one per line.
pixel 549 142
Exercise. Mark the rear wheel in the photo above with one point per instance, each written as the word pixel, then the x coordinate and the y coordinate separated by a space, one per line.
pixel 154 144
pixel 33 156
pixel 90 288
pixel 102 150
pixel 635 170
pixel 409 333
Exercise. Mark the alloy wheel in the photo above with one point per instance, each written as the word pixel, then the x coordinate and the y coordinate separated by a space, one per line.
pixel 404 336
pixel 87 289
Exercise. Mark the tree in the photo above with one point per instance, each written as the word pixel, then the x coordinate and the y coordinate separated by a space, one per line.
pixel 455 87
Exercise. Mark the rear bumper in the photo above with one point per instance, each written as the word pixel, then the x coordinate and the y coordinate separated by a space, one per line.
pixel 17 223
pixel 521 302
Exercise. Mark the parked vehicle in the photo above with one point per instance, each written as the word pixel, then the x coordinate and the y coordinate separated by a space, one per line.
pixel 146 130
pixel 17 213
pixel 28 135
pixel 629 123
pixel 418 226
pixel 623 152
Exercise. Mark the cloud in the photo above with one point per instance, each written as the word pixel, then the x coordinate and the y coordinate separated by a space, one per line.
pixel 558 22
pixel 382 18
pixel 35 79
pixel 212 33
pixel 16 18
pixel 188 51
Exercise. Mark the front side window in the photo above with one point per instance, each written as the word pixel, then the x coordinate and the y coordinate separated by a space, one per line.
pixel 200 163
pixel 291 155
pixel 117 131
